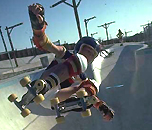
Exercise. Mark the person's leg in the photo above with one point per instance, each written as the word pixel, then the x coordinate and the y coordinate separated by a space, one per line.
pixel 61 72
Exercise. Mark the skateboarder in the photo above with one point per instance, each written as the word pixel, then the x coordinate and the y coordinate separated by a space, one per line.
pixel 70 67
pixel 86 50
pixel 120 35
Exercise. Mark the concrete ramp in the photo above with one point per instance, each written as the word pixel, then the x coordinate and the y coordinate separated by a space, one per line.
pixel 132 102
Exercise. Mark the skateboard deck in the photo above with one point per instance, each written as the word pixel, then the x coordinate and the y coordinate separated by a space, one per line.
pixel 32 95
pixel 80 103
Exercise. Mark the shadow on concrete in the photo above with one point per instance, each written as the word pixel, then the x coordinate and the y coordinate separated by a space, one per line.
pixel 31 60
pixel 40 110
pixel 132 103
pixel 120 99
pixel 6 68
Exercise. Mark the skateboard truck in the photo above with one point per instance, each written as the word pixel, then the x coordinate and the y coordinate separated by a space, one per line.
pixel 24 111
pixel 64 107
pixel 32 95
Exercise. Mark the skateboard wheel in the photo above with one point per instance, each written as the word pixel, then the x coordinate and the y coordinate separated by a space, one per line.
pixel 38 99
pixel 12 97
pixel 81 93
pixel 92 100
pixel 86 113
pixel 25 112
pixel 40 84
pixel 26 80
pixel 60 119
pixel 55 101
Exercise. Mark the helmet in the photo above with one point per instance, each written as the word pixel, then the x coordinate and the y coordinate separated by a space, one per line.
pixel 89 41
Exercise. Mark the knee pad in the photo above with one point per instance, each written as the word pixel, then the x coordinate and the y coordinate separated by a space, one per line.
pixel 73 65
pixel 76 64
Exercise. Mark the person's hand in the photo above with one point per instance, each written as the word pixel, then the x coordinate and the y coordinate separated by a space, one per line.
pixel 36 13
pixel 107 112
pixel 37 9
pixel 108 116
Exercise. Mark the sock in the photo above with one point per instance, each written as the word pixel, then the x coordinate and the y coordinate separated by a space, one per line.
pixel 53 80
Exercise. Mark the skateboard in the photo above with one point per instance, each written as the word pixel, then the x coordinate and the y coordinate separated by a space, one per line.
pixel 105 54
pixel 110 53
pixel 81 102
pixel 121 44
pixel 31 95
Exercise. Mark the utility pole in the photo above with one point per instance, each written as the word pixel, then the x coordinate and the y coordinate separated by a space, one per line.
pixel 93 34
pixel 33 48
pixel 74 6
pixel 86 22
pixel 127 33
pixel 106 25
pixel 6 48
pixel 9 37
pixel 146 37
pixel 125 40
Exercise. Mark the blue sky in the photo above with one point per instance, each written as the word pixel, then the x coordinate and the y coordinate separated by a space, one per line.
pixel 128 15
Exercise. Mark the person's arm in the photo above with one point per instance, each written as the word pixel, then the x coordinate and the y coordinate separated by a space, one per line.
pixel 65 93
pixel 40 39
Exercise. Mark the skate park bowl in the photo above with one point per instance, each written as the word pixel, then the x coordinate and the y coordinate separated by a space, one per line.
pixel 125 85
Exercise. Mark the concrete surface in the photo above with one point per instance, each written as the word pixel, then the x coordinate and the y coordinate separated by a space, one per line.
pixel 130 66
pixel 26 64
